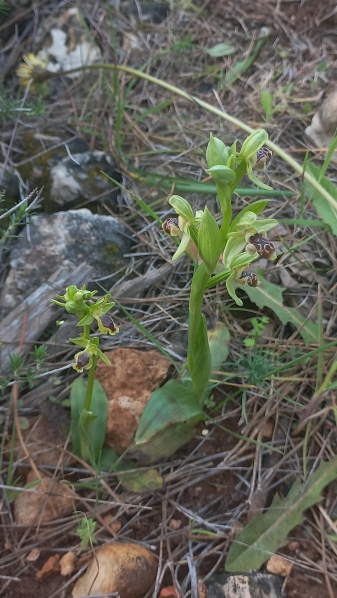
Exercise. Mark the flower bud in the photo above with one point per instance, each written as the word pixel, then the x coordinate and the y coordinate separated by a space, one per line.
pixel 209 240
pixel 216 153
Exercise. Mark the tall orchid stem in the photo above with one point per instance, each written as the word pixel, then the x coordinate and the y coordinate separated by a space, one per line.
pixel 198 353
pixel 90 384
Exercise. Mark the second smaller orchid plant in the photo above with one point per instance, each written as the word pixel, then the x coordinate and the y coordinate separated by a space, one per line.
pixel 88 400
pixel 222 252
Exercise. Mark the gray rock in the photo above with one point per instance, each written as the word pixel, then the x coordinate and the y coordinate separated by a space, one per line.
pixel 53 240
pixel 81 177
pixel 245 585
pixel 65 43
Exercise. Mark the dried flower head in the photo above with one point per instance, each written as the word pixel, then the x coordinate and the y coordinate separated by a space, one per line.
pixel 32 68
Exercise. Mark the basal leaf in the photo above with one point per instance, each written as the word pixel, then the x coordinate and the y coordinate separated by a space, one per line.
pixel 167 423
pixel 162 445
pixel 218 339
pixel 170 404
pixel 323 209
pixel 268 532
pixel 270 295
pixel 87 428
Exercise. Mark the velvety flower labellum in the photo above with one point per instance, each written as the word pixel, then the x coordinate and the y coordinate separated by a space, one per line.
pixel 169 224
pixel 83 359
pixel 251 278
pixel 108 323
pixel 264 248
pixel 263 156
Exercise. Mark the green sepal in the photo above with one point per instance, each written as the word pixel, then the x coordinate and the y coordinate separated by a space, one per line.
pixel 255 206
pixel 182 207
pixel 253 143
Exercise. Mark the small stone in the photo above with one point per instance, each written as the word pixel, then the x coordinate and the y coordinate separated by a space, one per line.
pixel 45 500
pixel 129 569
pixel 279 565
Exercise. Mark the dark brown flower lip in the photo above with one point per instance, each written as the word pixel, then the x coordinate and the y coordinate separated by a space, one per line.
pixel 264 248
pixel 250 277
pixel 168 224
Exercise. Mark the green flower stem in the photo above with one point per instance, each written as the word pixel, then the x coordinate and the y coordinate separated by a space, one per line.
pixel 86 332
pixel 198 353
pixel 225 200
pixel 90 384
pixel 240 171
pixel 296 166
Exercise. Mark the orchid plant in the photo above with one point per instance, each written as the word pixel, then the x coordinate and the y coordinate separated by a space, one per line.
pixel 88 400
pixel 222 252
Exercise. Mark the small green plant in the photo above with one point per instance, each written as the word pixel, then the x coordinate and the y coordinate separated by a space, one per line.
pixel 271 104
pixel 88 401
pixel 86 532
pixel 258 326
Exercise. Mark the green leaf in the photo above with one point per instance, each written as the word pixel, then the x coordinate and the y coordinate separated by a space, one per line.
pixel 167 422
pixel 220 50
pixel 171 403
pixel 87 428
pixel 218 339
pixel 241 66
pixel 141 481
pixel 209 240
pixel 268 532
pixel 267 104
pixel 325 211
pixel 163 445
pixel 270 295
